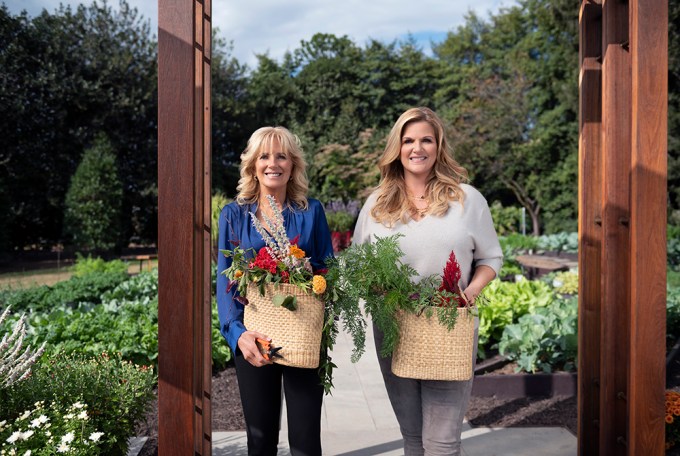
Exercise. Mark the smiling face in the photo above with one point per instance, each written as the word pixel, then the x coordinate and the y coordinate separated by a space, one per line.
pixel 273 168
pixel 418 149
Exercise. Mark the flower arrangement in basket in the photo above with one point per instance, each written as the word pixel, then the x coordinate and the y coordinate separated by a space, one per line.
pixel 287 300
pixel 419 320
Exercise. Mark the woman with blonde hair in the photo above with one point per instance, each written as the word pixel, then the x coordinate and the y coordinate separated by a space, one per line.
pixel 423 196
pixel 272 164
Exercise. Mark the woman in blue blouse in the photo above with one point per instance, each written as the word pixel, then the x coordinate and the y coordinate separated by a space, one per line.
pixel 272 164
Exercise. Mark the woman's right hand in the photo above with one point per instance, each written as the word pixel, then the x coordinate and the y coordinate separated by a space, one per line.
pixel 251 352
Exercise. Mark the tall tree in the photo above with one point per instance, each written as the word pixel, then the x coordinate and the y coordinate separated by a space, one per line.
pixel 233 117
pixel 511 96
pixel 63 78
pixel 94 200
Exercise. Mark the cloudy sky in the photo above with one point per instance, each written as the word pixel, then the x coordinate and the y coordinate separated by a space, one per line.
pixel 276 26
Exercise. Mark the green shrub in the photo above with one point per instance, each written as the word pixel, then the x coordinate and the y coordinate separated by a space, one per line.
pixel 116 392
pixel 506 303
pixel 673 247
pixel 218 201
pixel 673 278
pixel 340 221
pixel 545 339
pixel 89 265
pixel 342 216
pixel 507 220
pixel 221 353
pixel 94 200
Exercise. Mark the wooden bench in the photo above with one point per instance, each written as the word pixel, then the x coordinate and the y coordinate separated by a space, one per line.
pixel 141 258
pixel 536 262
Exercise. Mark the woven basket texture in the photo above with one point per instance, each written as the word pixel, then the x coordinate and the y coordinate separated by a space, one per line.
pixel 297 331
pixel 427 350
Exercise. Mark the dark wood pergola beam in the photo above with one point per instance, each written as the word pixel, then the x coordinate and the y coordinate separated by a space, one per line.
pixel 184 367
pixel 622 226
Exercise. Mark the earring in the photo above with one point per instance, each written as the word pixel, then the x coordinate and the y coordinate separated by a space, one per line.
pixel 256 179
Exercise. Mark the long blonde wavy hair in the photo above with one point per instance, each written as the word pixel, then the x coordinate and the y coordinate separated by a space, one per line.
pixel 443 184
pixel 248 188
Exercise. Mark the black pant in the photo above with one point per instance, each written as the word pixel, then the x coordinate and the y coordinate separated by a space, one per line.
pixel 260 389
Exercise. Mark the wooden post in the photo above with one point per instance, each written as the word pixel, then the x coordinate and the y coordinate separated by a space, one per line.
pixel 615 310
pixel 623 265
pixel 590 225
pixel 647 379
pixel 184 33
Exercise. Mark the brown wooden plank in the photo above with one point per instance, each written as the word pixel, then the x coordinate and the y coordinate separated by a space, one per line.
pixel 590 225
pixel 541 262
pixel 175 220
pixel 183 314
pixel 649 50
pixel 615 316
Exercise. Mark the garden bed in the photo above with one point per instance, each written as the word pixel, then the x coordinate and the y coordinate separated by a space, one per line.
pixel 496 376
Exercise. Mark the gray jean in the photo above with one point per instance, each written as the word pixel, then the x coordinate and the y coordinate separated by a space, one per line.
pixel 430 412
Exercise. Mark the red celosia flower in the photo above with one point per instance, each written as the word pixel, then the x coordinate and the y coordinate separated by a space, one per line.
pixel 451 278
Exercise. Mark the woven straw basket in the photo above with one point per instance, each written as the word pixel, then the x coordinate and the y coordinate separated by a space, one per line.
pixel 297 331
pixel 428 351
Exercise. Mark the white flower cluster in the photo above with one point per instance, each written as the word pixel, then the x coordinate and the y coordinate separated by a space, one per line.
pixel 33 430
pixel 15 362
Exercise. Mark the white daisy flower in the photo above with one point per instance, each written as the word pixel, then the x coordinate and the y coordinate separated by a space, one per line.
pixel 68 438
pixel 95 436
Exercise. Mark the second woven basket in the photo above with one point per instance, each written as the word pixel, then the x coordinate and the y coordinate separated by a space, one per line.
pixel 427 350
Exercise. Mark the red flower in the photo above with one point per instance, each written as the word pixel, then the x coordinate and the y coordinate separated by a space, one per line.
pixel 264 260
pixel 451 278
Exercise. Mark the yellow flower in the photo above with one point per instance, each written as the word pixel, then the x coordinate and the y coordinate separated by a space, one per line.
pixel 318 284
pixel 238 274
pixel 296 251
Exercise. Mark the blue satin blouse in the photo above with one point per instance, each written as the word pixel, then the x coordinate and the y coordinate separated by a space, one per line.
pixel 236 224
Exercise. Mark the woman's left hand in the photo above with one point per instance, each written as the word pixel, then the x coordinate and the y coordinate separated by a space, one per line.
pixel 470 295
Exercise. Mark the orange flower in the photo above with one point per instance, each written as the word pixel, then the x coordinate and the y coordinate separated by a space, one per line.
pixel 238 274
pixel 318 284
pixel 297 252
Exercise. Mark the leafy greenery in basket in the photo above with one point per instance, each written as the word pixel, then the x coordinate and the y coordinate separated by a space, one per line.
pixel 374 273
pixel 282 261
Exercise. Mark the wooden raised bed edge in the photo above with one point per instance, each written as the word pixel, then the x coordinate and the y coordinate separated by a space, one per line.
pixel 520 385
